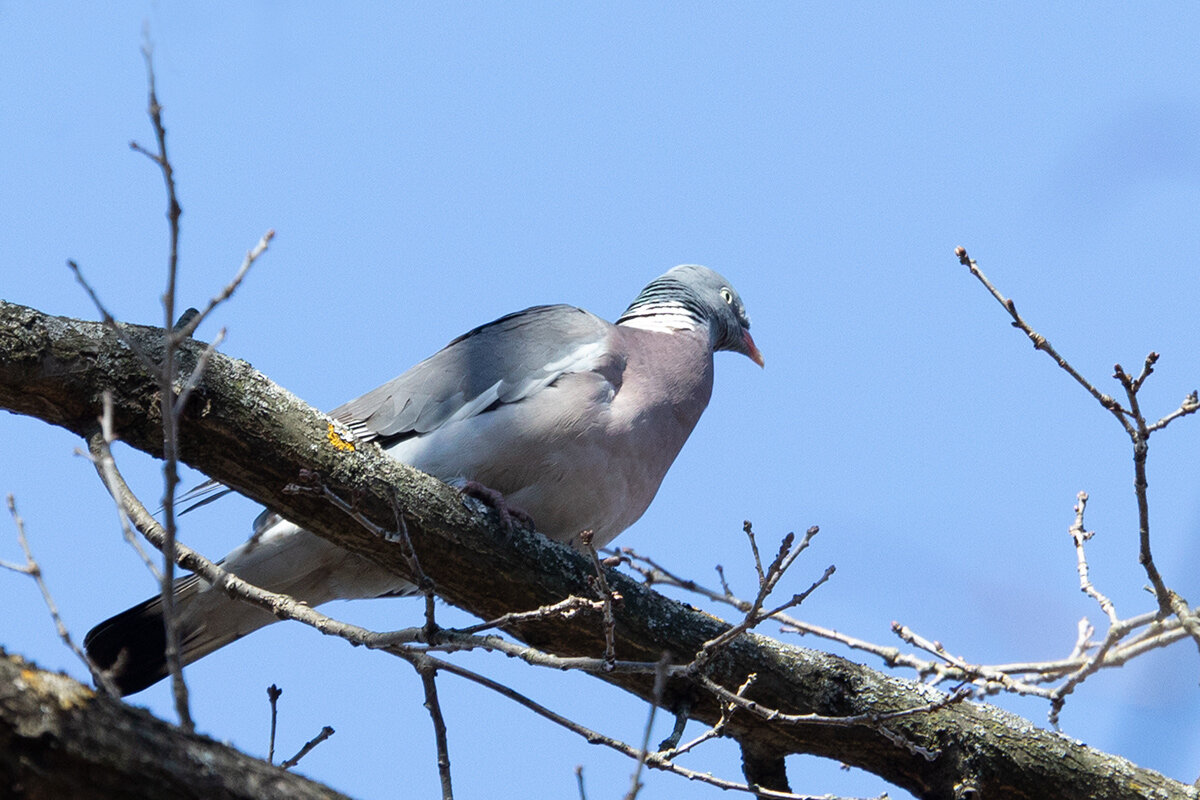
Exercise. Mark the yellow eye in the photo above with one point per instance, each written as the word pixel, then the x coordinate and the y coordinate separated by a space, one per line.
pixel 727 295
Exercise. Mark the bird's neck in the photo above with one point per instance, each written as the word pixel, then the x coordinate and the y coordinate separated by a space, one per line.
pixel 662 319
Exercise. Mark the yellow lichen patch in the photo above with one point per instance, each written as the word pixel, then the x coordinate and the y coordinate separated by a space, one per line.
pixel 340 439
pixel 66 692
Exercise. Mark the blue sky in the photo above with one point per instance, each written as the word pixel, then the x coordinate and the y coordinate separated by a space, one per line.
pixel 429 168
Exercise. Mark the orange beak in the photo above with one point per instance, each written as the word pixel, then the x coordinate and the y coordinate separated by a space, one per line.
pixel 752 349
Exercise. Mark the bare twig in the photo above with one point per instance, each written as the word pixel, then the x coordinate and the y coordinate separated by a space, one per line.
pixel 423 582
pixel 871 720
pixel 107 467
pixel 173 401
pixel 34 570
pixel 1140 438
pixel 564 608
pixel 718 729
pixel 285 607
pixel 181 332
pixel 170 407
pixel 273 693
pixel 579 780
pixel 1018 678
pixel 748 529
pixel 607 597
pixel 1041 343
pixel 654 573
pixel 1190 405
pixel 1134 423
pixel 992 679
pixel 113 324
pixel 1117 629
pixel 724 583
pixel 653 760
pixel 1079 536
pixel 660 684
pixel 681 721
pixel 767 581
pixel 428 672
pixel 325 733
pixel 193 379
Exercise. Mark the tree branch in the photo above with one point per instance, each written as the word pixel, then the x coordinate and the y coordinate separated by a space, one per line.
pixel 248 433
pixel 60 739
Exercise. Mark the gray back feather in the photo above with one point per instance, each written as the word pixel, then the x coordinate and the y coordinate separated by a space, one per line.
pixel 501 362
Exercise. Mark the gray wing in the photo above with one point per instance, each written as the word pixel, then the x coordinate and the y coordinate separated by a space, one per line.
pixel 501 362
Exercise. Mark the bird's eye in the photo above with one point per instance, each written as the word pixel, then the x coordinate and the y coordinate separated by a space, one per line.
pixel 727 295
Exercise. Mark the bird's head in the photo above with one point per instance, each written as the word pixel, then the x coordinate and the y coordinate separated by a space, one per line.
pixel 694 296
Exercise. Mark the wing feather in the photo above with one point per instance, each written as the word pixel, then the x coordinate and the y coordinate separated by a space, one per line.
pixel 502 362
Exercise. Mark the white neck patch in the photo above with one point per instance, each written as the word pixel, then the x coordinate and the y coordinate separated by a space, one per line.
pixel 663 321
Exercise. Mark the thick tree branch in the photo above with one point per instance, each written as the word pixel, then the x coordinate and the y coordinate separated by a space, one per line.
pixel 248 433
pixel 60 739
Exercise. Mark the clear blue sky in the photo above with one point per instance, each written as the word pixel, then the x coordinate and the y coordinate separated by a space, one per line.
pixel 429 168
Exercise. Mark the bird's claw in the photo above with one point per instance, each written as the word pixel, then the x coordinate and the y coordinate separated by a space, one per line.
pixel 495 500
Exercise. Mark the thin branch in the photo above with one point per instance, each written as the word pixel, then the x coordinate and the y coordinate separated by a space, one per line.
pixel 1117 630
pixel 767 581
pixel 170 406
pixel 681 721
pixel 174 211
pixel 655 573
pixel 189 326
pixel 607 597
pixel 1141 445
pixel 755 616
pixel 579 781
pixel 660 684
pixel 1083 638
pixel 718 729
pixel 564 608
pixel 870 720
pixel 1168 601
pixel 110 321
pixel 1134 423
pixel 321 522
pixel 193 379
pixel 653 760
pixel 748 529
pixel 286 607
pixel 325 733
pixel 1041 343
pixel 1079 536
pixel 1190 405
pixel 428 675
pixel 107 469
pixel 273 693
pixel 989 679
pixel 994 680
pixel 34 570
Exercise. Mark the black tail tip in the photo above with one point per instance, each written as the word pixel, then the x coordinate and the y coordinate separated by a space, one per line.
pixel 130 647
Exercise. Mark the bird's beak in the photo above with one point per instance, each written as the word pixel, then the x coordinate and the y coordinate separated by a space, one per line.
pixel 751 349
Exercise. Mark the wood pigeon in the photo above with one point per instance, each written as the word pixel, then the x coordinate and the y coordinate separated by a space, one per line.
pixel 572 419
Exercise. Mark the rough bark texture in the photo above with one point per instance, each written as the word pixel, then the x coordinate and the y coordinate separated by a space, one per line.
pixel 59 740
pixel 248 433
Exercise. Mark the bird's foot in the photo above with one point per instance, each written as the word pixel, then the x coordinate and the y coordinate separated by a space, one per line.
pixel 495 500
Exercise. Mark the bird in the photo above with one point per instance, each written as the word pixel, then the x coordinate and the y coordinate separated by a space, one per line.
pixel 567 418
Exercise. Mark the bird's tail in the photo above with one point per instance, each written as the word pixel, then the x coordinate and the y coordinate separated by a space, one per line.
pixel 129 648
